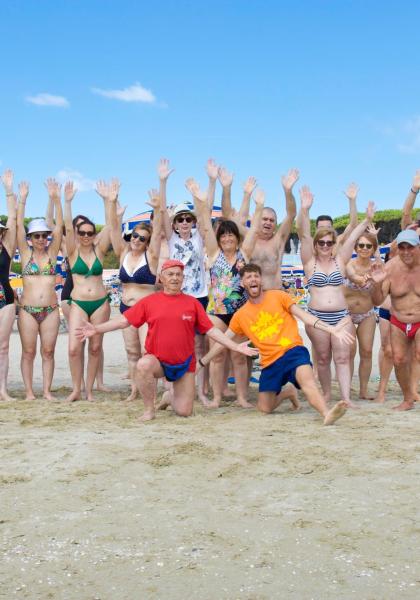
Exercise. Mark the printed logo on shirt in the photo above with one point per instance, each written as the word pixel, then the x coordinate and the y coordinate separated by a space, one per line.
pixel 186 317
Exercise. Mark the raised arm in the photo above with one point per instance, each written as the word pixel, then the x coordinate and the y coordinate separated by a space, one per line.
pixel 54 196
pixel 203 217
pixel 304 225
pixel 410 200
pixel 20 218
pixel 69 193
pixel 156 239
pixel 118 243
pixel 164 171
pixel 346 249
pixel 212 171
pixel 351 194
pixel 283 232
pixel 226 180
pixel 248 244
pixel 9 238
pixel 249 186
pixel 109 193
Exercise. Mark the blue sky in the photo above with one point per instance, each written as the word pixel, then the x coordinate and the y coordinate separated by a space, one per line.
pixel 329 87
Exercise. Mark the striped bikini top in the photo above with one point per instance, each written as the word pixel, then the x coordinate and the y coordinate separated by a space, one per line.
pixel 31 268
pixel 320 279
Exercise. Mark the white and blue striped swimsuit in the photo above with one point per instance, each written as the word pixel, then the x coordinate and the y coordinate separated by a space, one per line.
pixel 320 279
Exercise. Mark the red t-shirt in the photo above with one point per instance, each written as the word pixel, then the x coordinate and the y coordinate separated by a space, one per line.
pixel 172 321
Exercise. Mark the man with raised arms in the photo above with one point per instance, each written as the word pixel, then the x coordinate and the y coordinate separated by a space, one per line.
pixel 400 278
pixel 269 248
pixel 268 319
pixel 173 319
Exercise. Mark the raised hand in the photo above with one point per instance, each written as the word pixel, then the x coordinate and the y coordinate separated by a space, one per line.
pixel 306 197
pixel 289 180
pixel 351 191
pixel 259 197
pixel 192 186
pixel 250 185
pixel 370 211
pixel 225 177
pixel 23 188
pixel 102 188
pixel 372 230
pixel 212 169
pixel 86 331
pixel 7 179
pixel 416 181
pixel 54 188
pixel 164 169
pixel 377 272
pixel 69 191
pixel 120 210
pixel 154 198
pixel 114 189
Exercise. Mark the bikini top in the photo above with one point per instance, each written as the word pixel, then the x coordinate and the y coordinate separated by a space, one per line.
pixel 360 288
pixel 320 279
pixel 141 274
pixel 31 267
pixel 81 268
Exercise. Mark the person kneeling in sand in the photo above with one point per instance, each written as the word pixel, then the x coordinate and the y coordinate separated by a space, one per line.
pixel 268 320
pixel 173 319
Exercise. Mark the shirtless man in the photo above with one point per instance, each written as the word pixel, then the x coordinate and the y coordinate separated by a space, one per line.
pixel 269 248
pixel 400 278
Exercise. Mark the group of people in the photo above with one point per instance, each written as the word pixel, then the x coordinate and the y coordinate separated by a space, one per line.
pixel 188 280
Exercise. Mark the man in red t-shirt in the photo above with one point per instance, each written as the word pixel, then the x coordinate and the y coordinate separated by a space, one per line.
pixel 173 319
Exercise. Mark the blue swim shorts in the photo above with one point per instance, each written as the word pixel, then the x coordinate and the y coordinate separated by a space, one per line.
pixel 175 372
pixel 283 370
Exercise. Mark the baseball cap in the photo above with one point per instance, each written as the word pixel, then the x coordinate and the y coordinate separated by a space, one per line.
pixel 408 236
pixel 168 264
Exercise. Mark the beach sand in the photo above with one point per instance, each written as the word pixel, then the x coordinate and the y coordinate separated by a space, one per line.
pixel 228 504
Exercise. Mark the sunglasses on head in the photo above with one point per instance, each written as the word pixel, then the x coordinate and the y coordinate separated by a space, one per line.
pixel 38 236
pixel 361 245
pixel 323 243
pixel 86 233
pixel 186 219
pixel 135 236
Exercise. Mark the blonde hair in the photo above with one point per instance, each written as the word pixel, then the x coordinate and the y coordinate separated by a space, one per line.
pixel 323 232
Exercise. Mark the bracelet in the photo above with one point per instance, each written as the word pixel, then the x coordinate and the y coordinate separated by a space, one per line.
pixel 314 325
pixel 413 192
pixel 200 362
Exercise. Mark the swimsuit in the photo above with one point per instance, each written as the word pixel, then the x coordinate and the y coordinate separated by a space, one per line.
pixel 39 313
pixel 320 279
pixel 32 269
pixel 81 268
pixel 384 313
pixel 358 318
pixel 409 329
pixel 141 275
pixel 175 372
pixel 6 292
pixel 226 294
pixel 68 283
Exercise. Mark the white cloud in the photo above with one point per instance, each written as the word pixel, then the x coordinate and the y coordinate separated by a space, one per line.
pixel 48 100
pixel 134 93
pixel 81 183
pixel 411 127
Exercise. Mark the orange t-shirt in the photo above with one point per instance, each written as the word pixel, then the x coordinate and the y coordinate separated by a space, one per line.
pixel 269 325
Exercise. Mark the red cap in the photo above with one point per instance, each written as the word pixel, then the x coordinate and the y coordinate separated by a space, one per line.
pixel 168 264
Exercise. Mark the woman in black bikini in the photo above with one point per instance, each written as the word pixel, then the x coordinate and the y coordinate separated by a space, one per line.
pixel 38 309
pixel 7 299
pixel 138 267
pixel 89 300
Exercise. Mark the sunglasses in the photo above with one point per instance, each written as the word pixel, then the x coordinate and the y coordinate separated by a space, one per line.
pixel 135 236
pixel 367 246
pixel 86 233
pixel 186 219
pixel 37 236
pixel 323 243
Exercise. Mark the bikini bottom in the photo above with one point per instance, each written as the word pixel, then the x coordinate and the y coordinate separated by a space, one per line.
pixel 90 306
pixel 331 317
pixel 39 313
pixel 358 318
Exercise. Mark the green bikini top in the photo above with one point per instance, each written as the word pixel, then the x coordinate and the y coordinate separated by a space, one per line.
pixel 81 268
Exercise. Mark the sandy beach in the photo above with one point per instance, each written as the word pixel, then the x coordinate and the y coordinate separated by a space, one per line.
pixel 225 505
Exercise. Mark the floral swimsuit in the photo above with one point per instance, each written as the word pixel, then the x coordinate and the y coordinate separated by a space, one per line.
pixel 226 294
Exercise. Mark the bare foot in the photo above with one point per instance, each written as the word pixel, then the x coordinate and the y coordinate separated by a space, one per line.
pixel 380 398
pixel 48 396
pixel 406 405
pixel 165 401
pixel 365 396
pixel 416 397
pixel 212 404
pixel 290 393
pixel 102 388
pixel 228 393
pixel 335 413
pixel 5 397
pixel 74 396
pixel 203 398
pixel 148 415
pixel 89 396
pixel 30 396
pixel 132 396
pixel 244 404
pixel 350 404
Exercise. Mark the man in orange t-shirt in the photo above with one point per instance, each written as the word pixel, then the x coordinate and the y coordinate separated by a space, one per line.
pixel 268 320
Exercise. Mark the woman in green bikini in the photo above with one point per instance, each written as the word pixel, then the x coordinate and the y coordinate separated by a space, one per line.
pixel 38 309
pixel 89 300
